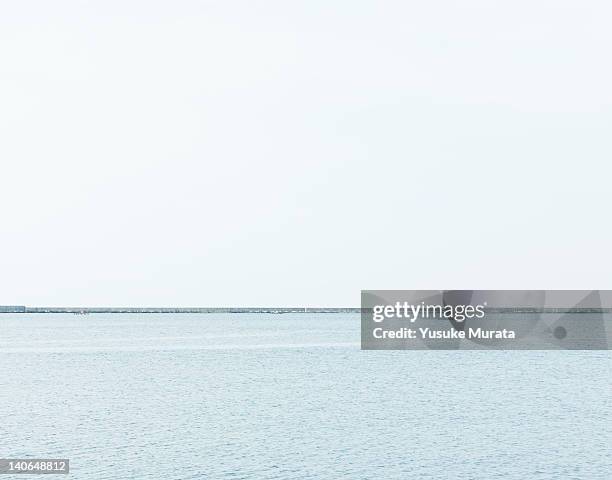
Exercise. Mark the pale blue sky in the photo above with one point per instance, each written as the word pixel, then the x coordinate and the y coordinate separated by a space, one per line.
pixel 293 153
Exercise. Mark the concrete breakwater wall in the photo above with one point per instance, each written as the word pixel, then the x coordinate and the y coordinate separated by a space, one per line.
pixel 85 310
pixel 270 310
pixel 12 309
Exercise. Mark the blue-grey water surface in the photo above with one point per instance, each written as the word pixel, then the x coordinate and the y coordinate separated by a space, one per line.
pixel 250 396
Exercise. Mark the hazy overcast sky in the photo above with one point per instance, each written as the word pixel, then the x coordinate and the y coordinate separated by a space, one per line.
pixel 294 152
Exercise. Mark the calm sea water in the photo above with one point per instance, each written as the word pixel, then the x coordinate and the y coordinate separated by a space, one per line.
pixel 242 396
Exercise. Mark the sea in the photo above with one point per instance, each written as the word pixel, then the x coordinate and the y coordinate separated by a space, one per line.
pixel 291 396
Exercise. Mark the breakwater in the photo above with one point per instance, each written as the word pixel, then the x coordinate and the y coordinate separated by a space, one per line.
pixel 86 310
pixel 271 310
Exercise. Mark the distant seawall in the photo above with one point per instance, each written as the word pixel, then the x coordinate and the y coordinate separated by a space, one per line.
pixel 24 309
pixel 270 310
